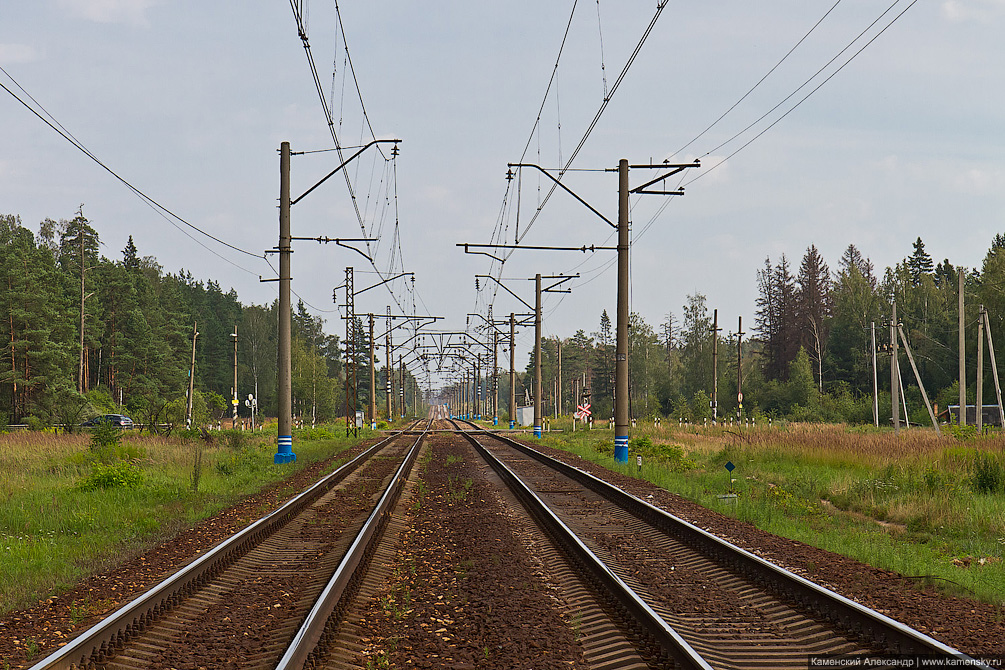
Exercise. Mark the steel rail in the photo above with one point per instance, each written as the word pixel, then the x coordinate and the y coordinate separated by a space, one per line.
pixel 316 633
pixel 99 642
pixel 668 641
pixel 844 612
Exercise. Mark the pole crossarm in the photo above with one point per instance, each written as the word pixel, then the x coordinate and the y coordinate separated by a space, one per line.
pixel 507 289
pixel 564 188
pixel 340 242
pixel 561 280
pixel 344 163
pixel 674 169
pixel 389 279
pixel 584 248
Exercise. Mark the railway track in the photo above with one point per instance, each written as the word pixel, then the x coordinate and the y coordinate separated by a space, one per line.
pixel 640 588
pixel 245 599
pixel 704 602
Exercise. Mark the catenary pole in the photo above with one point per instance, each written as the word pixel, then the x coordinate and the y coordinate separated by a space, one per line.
pixel 234 394
pixel 538 419
pixel 373 379
pixel 715 366
pixel 512 371
pixel 191 377
pixel 284 440
pixel 622 427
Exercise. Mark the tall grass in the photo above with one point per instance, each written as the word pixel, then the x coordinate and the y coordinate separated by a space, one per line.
pixel 56 529
pixel 925 505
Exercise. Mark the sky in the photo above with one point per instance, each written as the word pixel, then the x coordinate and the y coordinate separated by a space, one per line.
pixel 899 136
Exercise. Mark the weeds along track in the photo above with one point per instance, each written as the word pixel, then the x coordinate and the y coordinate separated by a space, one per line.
pixel 700 600
pixel 242 603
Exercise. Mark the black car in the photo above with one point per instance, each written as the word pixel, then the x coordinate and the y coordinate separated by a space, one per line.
pixel 117 420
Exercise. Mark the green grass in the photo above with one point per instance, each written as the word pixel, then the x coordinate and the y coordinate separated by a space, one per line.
pixel 913 503
pixel 67 510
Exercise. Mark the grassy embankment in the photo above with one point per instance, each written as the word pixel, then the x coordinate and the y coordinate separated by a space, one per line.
pixel 925 506
pixel 69 507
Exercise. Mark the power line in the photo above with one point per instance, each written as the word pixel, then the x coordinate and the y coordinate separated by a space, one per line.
pixel 149 201
pixel 814 90
pixel 759 81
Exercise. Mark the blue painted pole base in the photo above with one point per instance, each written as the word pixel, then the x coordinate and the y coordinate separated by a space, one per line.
pixel 495 421
pixel 537 432
pixel 512 424
pixel 621 448
pixel 285 453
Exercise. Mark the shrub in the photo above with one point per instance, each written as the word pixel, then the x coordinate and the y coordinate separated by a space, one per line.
pixel 316 433
pixel 105 437
pixel 34 423
pixel 986 475
pixel 121 474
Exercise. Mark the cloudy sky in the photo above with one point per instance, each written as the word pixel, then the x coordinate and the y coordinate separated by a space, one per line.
pixel 189 100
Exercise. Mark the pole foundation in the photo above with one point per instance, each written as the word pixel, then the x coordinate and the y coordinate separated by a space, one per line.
pixel 285 454
pixel 621 448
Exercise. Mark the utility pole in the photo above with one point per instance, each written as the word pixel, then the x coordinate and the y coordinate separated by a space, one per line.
pixel 994 370
pixel 284 440
pixel 234 390
pixel 739 369
pixel 558 394
pixel 512 371
pixel 538 422
pixel 894 370
pixel 495 377
pixel 373 380
pixel 191 377
pixel 350 354
pixel 875 381
pixel 979 416
pixel 963 357
pixel 622 425
pixel 389 370
pixel 715 366
pixel 401 386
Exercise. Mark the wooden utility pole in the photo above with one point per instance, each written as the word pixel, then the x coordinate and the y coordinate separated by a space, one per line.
pixel 875 380
pixel 191 377
pixel 917 376
pixel 979 413
pixel 994 371
pixel 894 372
pixel 963 357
